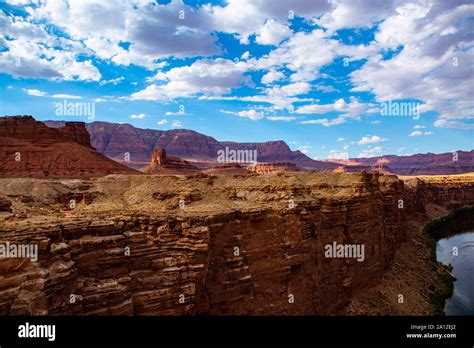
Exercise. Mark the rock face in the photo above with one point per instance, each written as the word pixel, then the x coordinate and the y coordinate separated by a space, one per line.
pixel 128 248
pixel 114 140
pixel 31 149
pixel 226 169
pixel 28 129
pixel 359 168
pixel 423 164
pixel 274 168
pixel 162 164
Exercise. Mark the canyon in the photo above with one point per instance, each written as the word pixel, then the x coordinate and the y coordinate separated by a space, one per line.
pixel 115 241
pixel 239 245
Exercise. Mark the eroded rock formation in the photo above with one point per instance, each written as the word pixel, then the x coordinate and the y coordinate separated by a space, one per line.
pixel 163 164
pixel 274 168
pixel 226 169
pixel 29 148
pixel 206 245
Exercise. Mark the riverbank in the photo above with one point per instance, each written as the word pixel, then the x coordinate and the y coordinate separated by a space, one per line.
pixel 456 222
pixel 415 283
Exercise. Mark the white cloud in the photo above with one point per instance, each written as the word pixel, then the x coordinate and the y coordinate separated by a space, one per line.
pixel 443 123
pixel 175 113
pixel 338 154
pixel 419 133
pixel 137 116
pixel 370 140
pixel 370 152
pixel 153 31
pixel 66 96
pixel 177 124
pixel 32 52
pixel 162 122
pixel 207 77
pixel 352 110
pixel 281 118
pixel 35 92
pixel 252 114
pixel 38 93
pixel 352 14
pixel 247 17
pixel 340 139
pixel 293 54
pixel 272 76
pixel 290 90
pixel 112 81
pixel 272 33
pixel 326 122
pixel 442 78
pixel 245 55
pixel 419 127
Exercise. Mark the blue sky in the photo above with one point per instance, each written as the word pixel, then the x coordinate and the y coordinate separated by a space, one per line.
pixel 316 74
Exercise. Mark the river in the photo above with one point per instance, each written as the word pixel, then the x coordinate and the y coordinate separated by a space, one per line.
pixel 462 301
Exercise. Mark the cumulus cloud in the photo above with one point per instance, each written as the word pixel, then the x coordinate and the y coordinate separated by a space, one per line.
pixel 31 52
pixel 281 118
pixel 352 110
pixel 204 77
pixel 338 154
pixel 272 76
pixel 354 14
pixel 35 92
pixel 444 123
pixel 38 93
pixel 419 133
pixel 435 36
pixel 137 116
pixel 370 152
pixel 272 33
pixel 66 96
pixel 115 81
pixel 244 18
pixel 251 114
pixel 370 140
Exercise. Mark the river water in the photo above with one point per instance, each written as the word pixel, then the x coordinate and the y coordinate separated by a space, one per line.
pixel 462 301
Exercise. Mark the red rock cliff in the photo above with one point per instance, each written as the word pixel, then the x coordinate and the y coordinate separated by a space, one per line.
pixel 29 148
pixel 246 257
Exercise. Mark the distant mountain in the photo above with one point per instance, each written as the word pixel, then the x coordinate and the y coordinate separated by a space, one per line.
pixel 116 140
pixel 422 164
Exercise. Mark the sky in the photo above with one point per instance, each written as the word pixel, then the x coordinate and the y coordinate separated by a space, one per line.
pixel 333 78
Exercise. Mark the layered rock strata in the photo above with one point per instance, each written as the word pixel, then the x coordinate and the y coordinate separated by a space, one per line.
pixel 274 168
pixel 227 245
pixel 29 148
